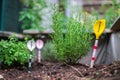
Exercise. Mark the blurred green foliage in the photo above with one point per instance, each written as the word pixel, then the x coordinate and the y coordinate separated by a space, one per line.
pixel 49 52
pixel 110 12
pixel 31 15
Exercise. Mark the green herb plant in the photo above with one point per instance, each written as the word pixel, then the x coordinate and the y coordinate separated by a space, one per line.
pixel 49 52
pixel 31 16
pixel 71 43
pixel 12 51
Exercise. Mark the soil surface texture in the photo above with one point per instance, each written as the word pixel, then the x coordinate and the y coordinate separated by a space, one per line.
pixel 59 71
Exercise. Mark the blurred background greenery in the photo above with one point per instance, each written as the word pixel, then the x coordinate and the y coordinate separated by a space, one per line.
pixel 34 12
pixel 18 15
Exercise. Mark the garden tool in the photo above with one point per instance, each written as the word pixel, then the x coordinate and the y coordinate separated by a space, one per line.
pixel 31 47
pixel 99 27
pixel 39 45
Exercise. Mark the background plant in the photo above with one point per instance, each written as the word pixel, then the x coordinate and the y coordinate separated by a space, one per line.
pixel 49 52
pixel 30 15
pixel 74 43
pixel 13 51
pixel 112 13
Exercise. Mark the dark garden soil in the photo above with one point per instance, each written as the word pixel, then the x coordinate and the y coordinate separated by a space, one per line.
pixel 59 71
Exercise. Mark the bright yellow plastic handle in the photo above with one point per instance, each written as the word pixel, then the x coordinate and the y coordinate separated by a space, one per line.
pixel 99 27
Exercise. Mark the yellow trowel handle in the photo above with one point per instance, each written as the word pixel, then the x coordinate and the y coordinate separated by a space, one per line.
pixel 99 27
